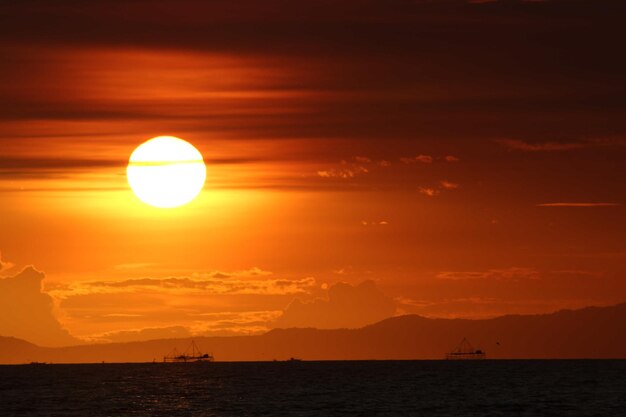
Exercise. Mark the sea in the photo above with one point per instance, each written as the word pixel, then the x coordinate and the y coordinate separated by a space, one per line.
pixel 325 388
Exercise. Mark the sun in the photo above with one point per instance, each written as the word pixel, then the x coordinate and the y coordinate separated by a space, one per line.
pixel 166 172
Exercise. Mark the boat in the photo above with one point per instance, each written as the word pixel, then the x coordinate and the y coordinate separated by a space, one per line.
pixel 192 354
pixel 465 351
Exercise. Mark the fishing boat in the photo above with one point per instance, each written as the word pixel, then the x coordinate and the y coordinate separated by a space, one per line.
pixel 192 354
pixel 465 351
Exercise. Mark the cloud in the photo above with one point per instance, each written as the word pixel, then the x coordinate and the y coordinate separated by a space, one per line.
pixel 38 167
pixel 428 159
pixel 578 205
pixel 203 324
pixel 347 307
pixel 443 185
pixel 227 323
pixel 520 145
pixel 213 283
pixel 508 274
pixel 255 271
pixel 27 313
pixel 234 323
pixel 150 333
pixel 430 192
pixel 448 185
pixel 205 303
pixel 347 171
pixel 349 270
pixel 5 265
pixel 352 168
pixel 424 159
pixel 375 223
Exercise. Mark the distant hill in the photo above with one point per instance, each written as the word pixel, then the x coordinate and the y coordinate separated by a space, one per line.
pixel 11 347
pixel 593 332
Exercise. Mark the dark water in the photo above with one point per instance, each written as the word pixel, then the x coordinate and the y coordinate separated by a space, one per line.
pixel 420 388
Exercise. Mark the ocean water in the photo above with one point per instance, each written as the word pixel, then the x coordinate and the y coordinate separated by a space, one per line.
pixel 363 388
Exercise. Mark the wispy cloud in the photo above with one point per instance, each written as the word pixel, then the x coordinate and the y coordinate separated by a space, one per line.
pixel 448 185
pixel 149 333
pixel 226 323
pixel 5 265
pixel 350 270
pixel 343 173
pixel 255 271
pixel 578 204
pixel 215 283
pixel 375 223
pixel 428 159
pixel 435 190
pixel 347 169
pixel 362 159
pixel 430 192
pixel 520 145
pixel 234 323
pixel 508 274
pixel 551 146
pixel 424 159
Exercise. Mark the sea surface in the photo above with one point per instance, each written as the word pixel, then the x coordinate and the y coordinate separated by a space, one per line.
pixel 363 388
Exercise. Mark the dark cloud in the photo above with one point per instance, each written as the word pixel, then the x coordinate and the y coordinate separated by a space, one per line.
pixel 381 69
pixel 347 306
pixel 33 167
pixel 579 204
pixel 26 311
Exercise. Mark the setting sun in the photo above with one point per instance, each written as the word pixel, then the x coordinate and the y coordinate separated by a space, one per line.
pixel 166 172
pixel 352 207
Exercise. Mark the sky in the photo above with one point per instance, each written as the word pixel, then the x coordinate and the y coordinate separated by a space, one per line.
pixel 365 159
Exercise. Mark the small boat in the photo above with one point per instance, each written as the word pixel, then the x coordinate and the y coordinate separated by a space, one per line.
pixel 465 351
pixel 192 354
pixel 292 359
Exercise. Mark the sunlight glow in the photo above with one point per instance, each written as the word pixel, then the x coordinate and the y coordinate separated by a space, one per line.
pixel 166 172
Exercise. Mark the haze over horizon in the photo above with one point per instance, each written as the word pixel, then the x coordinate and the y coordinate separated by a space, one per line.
pixel 364 160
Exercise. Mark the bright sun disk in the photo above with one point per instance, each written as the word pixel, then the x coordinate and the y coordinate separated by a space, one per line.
pixel 166 172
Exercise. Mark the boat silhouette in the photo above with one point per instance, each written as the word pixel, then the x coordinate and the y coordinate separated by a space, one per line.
pixel 192 354
pixel 465 351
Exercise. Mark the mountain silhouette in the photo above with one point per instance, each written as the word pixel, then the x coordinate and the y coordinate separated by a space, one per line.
pixel 592 332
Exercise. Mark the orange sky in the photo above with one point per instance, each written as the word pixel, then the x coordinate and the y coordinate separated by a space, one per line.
pixel 467 159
